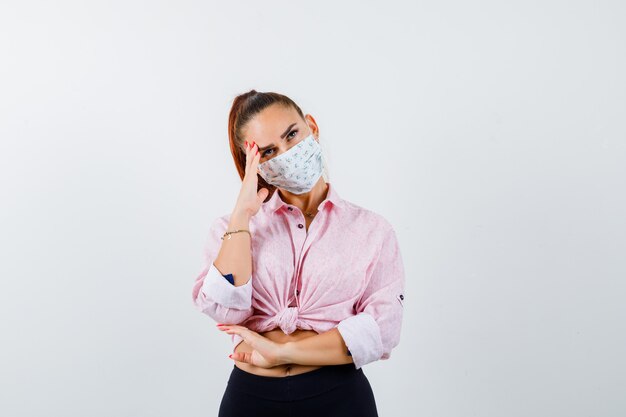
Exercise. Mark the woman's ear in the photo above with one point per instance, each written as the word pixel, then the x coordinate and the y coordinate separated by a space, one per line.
pixel 312 124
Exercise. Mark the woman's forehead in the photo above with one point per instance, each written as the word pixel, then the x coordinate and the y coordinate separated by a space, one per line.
pixel 270 124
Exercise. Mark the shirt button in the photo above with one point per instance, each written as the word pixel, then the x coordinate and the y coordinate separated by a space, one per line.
pixel 297 292
pixel 401 297
pixel 300 225
pixel 290 208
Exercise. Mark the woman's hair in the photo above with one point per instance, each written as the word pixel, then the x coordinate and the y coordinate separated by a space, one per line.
pixel 245 107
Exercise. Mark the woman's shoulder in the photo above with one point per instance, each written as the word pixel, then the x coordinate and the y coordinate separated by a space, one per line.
pixel 366 216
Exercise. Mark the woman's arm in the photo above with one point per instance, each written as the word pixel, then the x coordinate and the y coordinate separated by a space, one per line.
pixel 212 294
pixel 374 331
pixel 327 348
pixel 370 334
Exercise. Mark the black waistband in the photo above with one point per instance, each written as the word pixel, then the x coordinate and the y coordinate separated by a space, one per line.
pixel 293 387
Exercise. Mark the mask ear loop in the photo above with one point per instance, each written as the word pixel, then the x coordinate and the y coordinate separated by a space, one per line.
pixel 324 164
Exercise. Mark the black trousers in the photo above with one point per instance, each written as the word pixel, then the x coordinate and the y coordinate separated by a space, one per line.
pixel 332 390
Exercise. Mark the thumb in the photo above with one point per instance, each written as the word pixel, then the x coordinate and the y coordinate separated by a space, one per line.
pixel 241 356
pixel 262 195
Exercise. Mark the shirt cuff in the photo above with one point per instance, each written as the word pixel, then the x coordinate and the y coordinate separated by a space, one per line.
pixel 217 288
pixel 361 335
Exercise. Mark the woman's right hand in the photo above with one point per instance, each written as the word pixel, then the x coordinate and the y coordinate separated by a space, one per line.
pixel 249 200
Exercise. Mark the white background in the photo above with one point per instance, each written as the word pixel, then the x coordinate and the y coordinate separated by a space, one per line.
pixel 491 134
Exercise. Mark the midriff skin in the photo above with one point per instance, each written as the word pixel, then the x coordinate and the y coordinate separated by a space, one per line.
pixel 277 335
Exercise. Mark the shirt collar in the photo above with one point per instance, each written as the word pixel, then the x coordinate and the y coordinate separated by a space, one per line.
pixel 275 202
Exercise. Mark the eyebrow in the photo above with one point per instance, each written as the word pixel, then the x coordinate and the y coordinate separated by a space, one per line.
pixel 281 136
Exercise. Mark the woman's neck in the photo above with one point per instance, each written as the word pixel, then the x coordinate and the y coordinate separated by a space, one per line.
pixel 307 202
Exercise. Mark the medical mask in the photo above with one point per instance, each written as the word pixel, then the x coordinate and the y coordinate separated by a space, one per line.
pixel 296 170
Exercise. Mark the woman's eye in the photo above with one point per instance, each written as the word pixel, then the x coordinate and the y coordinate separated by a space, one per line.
pixel 289 137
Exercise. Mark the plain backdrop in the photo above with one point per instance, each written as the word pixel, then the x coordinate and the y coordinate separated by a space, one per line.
pixel 490 134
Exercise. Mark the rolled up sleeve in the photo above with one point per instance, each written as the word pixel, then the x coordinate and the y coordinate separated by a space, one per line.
pixel 374 331
pixel 212 293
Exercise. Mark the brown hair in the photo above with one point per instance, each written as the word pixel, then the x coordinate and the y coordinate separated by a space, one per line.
pixel 245 107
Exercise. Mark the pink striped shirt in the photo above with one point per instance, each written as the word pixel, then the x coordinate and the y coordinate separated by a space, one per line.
pixel 346 271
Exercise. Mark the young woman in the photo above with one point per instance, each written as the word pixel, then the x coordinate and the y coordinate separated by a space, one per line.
pixel 309 286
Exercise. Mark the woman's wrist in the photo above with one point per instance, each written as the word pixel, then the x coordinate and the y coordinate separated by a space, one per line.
pixel 239 217
pixel 287 353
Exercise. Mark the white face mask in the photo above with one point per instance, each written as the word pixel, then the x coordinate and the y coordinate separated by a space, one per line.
pixel 296 170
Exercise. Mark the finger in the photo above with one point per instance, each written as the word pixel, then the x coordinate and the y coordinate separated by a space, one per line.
pixel 253 147
pixel 256 158
pixel 230 329
pixel 231 326
pixel 225 329
pixel 262 195
pixel 247 335
pixel 241 357
pixel 248 154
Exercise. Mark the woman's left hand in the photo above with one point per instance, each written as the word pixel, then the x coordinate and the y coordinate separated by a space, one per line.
pixel 265 352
